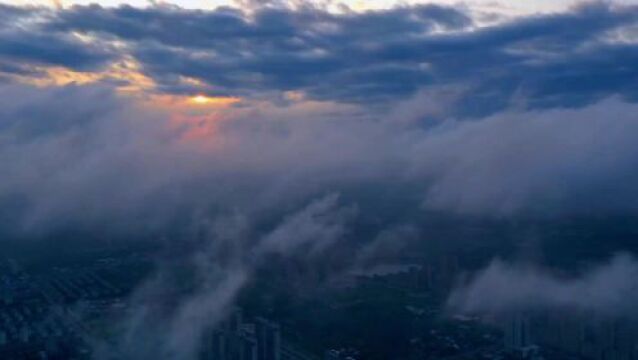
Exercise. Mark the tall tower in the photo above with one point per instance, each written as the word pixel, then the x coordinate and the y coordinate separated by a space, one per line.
pixel 248 348
pixel 213 346
pixel 518 331
pixel 234 321
pixel 268 339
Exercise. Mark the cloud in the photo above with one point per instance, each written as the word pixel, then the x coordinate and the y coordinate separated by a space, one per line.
pixel 546 162
pixel 138 170
pixel 163 323
pixel 47 49
pixel 310 231
pixel 23 41
pixel 388 244
pixel 58 143
pixel 567 59
pixel 609 289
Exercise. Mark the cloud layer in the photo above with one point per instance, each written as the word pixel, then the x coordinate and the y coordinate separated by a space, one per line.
pixel 567 59
pixel 608 290
pixel 82 156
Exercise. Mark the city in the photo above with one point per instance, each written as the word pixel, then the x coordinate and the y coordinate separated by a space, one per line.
pixel 318 180
pixel 73 308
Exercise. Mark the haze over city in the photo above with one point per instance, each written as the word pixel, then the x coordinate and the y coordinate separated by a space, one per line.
pixel 334 180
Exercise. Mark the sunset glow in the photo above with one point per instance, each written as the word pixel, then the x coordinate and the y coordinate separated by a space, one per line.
pixel 209 101
pixel 215 101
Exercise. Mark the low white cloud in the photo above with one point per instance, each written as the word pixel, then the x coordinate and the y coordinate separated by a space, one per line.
pixel 165 321
pixel 610 289
pixel 80 156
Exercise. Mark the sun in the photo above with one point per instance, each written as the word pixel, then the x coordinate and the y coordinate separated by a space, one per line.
pixel 200 99
pixel 215 100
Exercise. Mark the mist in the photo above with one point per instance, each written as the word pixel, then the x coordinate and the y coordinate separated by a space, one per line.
pixel 66 169
pixel 607 289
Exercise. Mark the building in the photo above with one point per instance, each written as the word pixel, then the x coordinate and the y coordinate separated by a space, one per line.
pixel 229 340
pixel 234 322
pixel 268 339
pixel 574 332
pixel 248 347
pixel 518 331
pixel 213 345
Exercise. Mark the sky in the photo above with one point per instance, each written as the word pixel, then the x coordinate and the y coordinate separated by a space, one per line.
pixel 468 109
pixel 278 49
pixel 517 6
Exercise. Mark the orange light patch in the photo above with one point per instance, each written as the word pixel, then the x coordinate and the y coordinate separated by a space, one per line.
pixel 294 95
pixel 59 76
pixel 126 71
pixel 197 129
pixel 187 80
pixel 215 101
pixel 189 104
pixel 199 99
pixel 133 83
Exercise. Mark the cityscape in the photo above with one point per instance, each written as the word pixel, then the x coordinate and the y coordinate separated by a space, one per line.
pixel 318 180
pixel 73 308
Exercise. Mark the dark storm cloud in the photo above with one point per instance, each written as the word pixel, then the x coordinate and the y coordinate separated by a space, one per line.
pixel 564 59
pixel 24 43
pixel 46 49
pixel 273 49
pixel 550 60
pixel 284 28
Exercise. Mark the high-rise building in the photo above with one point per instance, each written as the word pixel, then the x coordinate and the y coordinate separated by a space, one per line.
pixel 268 339
pixel 518 331
pixel 234 322
pixel 232 328
pixel 233 340
pixel 247 347
pixel 214 345
pixel 575 332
